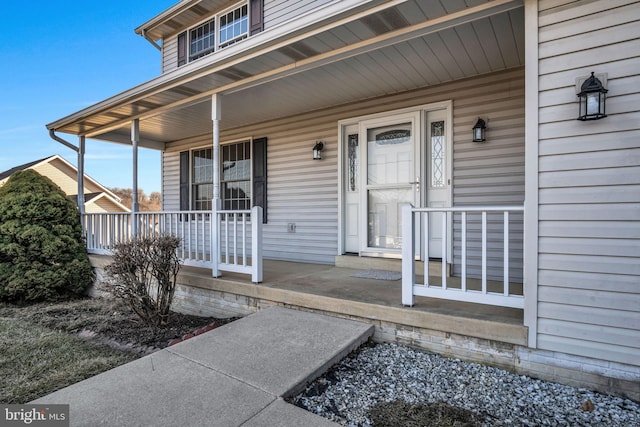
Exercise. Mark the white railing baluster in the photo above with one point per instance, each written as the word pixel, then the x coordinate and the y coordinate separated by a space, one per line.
pixel 484 252
pixel 505 239
pixel 425 226
pixel 408 256
pixel 244 239
pixel 463 250
pixel 235 238
pixel 443 271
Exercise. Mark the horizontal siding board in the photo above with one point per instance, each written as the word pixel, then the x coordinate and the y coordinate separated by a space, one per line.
pixel 591 212
pixel 589 281
pixel 605 194
pixel 591 160
pixel 580 331
pixel 586 143
pixel 598 350
pixel 589 264
pixel 594 177
pixel 591 298
pixel 605 229
pixel 586 246
pixel 592 316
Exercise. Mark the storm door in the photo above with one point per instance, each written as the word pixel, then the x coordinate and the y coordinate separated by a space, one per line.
pixel 390 160
pixel 390 179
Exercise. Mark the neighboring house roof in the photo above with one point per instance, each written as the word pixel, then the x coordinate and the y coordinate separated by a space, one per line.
pixel 6 174
pixel 58 163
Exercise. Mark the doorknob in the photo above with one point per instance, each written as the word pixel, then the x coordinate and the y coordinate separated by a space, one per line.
pixel 417 184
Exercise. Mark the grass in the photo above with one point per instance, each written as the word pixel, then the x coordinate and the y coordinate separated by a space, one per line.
pixel 35 360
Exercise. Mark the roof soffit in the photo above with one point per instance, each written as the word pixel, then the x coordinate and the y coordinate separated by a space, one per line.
pixel 361 32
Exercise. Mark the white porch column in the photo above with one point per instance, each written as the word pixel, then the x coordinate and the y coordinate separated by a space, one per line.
pixel 215 117
pixel 216 203
pixel 81 174
pixel 135 138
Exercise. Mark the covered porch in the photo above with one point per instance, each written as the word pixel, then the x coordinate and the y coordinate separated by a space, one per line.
pixel 401 71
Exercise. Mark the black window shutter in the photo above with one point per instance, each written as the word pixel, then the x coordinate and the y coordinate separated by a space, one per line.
pixel 184 181
pixel 182 49
pixel 256 15
pixel 260 175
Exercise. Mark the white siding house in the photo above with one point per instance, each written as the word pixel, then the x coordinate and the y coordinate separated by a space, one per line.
pixel 391 91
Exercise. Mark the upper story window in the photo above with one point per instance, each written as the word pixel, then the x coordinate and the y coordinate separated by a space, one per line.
pixel 224 29
pixel 202 40
pixel 234 26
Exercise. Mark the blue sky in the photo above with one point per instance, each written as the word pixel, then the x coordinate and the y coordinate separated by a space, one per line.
pixel 61 56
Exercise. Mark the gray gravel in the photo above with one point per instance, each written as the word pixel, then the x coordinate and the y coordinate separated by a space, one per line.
pixel 388 372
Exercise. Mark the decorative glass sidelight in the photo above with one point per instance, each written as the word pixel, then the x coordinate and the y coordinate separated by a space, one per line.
pixel 353 165
pixel 437 155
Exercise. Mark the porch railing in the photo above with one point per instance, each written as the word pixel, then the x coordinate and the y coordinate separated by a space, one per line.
pixel 233 242
pixel 460 289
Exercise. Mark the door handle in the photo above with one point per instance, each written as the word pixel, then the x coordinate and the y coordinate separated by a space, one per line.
pixel 417 184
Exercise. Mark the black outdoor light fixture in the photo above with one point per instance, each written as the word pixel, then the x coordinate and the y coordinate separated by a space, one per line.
pixel 592 99
pixel 479 131
pixel 317 149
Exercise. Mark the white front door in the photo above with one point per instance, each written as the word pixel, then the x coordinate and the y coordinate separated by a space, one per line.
pixel 390 179
pixel 390 160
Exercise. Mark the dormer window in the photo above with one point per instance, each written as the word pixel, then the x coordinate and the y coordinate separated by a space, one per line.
pixel 224 29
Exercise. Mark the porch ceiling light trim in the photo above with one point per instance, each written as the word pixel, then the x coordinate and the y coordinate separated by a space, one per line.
pixel 479 131
pixel 592 99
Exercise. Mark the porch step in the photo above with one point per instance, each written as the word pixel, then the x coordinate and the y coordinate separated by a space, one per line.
pixel 375 263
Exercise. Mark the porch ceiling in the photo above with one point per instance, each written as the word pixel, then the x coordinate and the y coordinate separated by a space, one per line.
pixel 375 52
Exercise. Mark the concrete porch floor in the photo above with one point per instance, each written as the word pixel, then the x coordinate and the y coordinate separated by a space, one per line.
pixel 334 290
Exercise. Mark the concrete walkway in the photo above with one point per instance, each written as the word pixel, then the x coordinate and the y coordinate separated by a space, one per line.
pixel 235 375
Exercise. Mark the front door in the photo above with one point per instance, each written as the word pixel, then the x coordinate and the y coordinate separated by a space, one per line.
pixel 391 160
pixel 390 179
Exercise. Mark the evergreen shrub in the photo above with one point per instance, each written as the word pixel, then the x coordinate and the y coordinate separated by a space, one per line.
pixel 42 252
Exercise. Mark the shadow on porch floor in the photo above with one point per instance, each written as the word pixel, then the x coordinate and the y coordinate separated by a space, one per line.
pixel 334 290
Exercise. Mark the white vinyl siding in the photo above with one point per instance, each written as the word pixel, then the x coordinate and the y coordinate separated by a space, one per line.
pixel 170 54
pixel 589 182
pixel 279 11
pixel 305 192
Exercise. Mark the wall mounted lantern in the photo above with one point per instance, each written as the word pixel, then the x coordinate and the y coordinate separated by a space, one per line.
pixel 592 99
pixel 317 150
pixel 479 131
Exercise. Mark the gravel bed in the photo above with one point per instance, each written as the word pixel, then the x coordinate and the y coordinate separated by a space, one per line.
pixel 397 373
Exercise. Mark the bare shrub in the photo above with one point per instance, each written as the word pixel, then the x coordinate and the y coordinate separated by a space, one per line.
pixel 143 274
